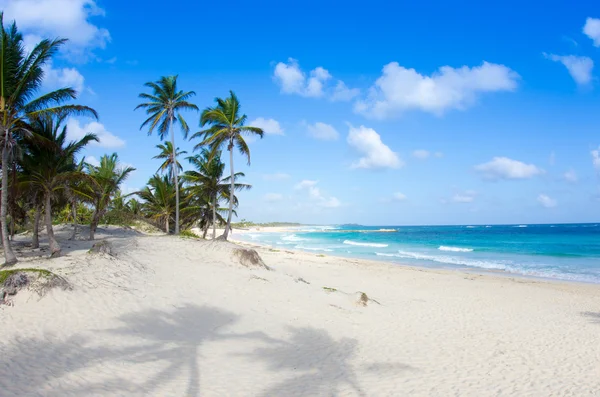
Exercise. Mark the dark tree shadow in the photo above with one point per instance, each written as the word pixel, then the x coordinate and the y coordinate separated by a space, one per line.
pixel 593 316
pixel 176 339
pixel 324 365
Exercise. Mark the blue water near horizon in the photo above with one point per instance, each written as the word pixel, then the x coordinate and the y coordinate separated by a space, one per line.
pixel 561 251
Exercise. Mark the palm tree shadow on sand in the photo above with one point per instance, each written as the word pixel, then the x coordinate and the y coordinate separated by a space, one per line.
pixel 593 316
pixel 324 365
pixel 176 338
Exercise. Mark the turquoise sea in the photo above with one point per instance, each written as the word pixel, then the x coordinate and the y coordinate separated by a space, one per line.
pixel 561 251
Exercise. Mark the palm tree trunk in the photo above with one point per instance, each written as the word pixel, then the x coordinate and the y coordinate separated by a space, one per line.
pixel 167 224
pixel 215 217
pixel 54 247
pixel 36 228
pixel 94 224
pixel 74 204
pixel 9 255
pixel 231 191
pixel 176 176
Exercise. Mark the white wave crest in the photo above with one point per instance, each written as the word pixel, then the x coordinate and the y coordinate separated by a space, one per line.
pixel 387 230
pixel 520 226
pixel 348 242
pixel 454 249
pixel 302 247
pixel 292 237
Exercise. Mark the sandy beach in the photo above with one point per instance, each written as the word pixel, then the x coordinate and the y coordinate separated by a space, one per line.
pixel 170 316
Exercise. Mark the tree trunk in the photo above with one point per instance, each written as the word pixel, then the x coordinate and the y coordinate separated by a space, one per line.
pixel 231 191
pixel 54 247
pixel 36 228
pixel 167 224
pixel 74 235
pixel 175 175
pixel 9 255
pixel 94 224
pixel 205 230
pixel 215 217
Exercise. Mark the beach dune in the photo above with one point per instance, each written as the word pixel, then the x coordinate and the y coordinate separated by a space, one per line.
pixel 169 316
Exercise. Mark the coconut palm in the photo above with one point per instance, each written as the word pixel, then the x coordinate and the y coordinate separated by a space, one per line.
pixel 21 77
pixel 164 107
pixel 49 164
pixel 227 127
pixel 170 158
pixel 106 179
pixel 207 181
pixel 159 199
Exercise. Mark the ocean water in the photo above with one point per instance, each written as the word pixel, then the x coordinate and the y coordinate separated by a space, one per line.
pixel 561 251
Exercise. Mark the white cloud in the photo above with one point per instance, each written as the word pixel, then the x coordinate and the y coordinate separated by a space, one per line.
pixel 463 198
pixel 107 139
pixel 376 154
pixel 398 196
pixel 59 18
pixel 278 176
pixel 273 197
pixel 580 68
pixel 292 80
pixel 400 89
pixel 92 160
pixel 322 131
pixel 546 201
pixel 315 195
pixel 439 154
pixel 570 176
pixel 596 158
pixel 269 126
pixel 592 30
pixel 421 154
pixel 63 77
pixel 505 168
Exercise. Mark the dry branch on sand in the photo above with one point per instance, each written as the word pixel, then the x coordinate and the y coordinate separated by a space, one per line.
pixel 101 247
pixel 249 258
pixel 358 298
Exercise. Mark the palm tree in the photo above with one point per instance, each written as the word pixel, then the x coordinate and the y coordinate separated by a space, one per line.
pixel 164 107
pixel 159 199
pixel 226 129
pixel 21 77
pixel 207 180
pixel 170 158
pixel 49 164
pixel 106 177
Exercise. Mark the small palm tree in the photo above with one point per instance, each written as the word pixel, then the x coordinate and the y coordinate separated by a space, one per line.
pixel 227 125
pixel 207 181
pixel 170 158
pixel 164 107
pixel 49 164
pixel 21 79
pixel 106 179
pixel 159 199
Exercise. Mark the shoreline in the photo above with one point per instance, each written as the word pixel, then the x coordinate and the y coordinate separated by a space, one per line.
pixel 460 270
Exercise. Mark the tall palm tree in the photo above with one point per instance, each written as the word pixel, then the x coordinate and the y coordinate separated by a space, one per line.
pixel 21 77
pixel 106 179
pixel 207 180
pixel 227 125
pixel 49 164
pixel 170 158
pixel 159 199
pixel 164 107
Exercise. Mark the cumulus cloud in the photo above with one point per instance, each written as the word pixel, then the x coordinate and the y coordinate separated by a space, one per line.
pixel 269 126
pixel 107 139
pixel 322 131
pixel 315 195
pixel 467 197
pixel 570 176
pixel 293 80
pixel 505 168
pixel 592 30
pixel 375 153
pixel 63 77
pixel 580 68
pixel 596 158
pixel 421 154
pixel 546 201
pixel 273 197
pixel 278 176
pixel 92 160
pixel 400 89
pixel 399 196
pixel 59 18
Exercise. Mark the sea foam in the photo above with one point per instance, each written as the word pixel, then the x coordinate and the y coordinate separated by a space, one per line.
pixel 454 249
pixel 377 245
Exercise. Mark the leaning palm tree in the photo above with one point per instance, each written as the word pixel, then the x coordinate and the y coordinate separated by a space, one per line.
pixel 170 158
pixel 21 77
pixel 164 107
pixel 227 126
pixel 49 164
pixel 105 181
pixel 207 180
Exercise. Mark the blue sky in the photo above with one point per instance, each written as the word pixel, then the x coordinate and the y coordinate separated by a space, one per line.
pixel 437 113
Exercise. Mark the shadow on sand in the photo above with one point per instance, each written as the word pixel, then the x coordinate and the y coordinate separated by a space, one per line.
pixel 593 316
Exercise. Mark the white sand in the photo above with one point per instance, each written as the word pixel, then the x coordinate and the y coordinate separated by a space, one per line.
pixel 168 316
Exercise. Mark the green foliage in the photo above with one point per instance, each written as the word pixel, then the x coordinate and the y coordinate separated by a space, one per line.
pixel 188 234
pixel 4 274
